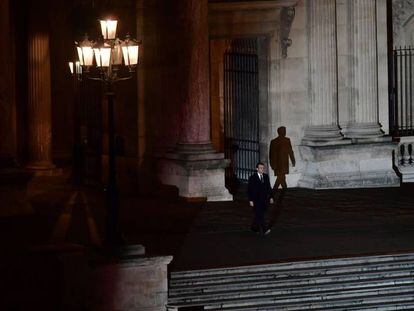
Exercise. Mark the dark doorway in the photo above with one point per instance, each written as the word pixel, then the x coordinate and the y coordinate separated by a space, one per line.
pixel 241 110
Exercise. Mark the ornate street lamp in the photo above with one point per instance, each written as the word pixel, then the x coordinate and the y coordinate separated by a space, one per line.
pixel 76 70
pixel 78 146
pixel 102 60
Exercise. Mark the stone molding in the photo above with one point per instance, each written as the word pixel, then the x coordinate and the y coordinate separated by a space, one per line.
pixel 363 130
pixel 402 11
pixel 197 176
pixel 135 262
pixel 249 5
pixel 251 18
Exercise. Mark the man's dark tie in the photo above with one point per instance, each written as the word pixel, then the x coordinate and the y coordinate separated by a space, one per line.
pixel 261 177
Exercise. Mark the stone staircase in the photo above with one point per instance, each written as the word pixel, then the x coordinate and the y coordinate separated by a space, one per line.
pixel 384 282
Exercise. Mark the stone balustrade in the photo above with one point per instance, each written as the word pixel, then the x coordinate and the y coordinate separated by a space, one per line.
pixel 404 158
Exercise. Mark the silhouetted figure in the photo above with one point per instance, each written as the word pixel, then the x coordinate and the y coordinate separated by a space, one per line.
pixel 259 191
pixel 279 154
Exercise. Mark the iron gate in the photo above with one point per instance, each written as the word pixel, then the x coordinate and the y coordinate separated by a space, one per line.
pixel 401 92
pixel 241 109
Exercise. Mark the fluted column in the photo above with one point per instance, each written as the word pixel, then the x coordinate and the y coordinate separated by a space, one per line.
pixel 323 90
pixel 39 117
pixel 195 113
pixel 364 98
pixel 7 85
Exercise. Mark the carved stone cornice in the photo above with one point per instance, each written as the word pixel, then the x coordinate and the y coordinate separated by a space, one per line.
pixel 251 19
pixel 402 10
pixel 249 5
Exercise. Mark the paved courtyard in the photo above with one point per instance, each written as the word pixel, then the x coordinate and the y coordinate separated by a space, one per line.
pixel 307 224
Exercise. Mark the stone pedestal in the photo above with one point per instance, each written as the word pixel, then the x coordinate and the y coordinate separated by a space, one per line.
pixel 362 163
pixel 74 277
pixel 197 172
pixel 127 281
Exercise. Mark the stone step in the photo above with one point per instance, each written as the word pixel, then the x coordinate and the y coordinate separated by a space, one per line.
pixel 280 291
pixel 327 300
pixel 383 307
pixel 291 274
pixel 289 283
pixel 290 265
pixel 384 282
pixel 385 303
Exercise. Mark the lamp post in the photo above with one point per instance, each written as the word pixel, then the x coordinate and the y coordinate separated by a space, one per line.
pixel 78 146
pixel 102 61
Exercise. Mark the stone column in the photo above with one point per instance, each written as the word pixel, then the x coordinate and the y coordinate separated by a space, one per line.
pixel 13 179
pixel 323 88
pixel 39 117
pixel 195 114
pixel 194 167
pixel 364 97
pixel 7 86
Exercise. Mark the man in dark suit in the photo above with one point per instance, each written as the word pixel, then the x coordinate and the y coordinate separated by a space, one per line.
pixel 259 191
pixel 279 153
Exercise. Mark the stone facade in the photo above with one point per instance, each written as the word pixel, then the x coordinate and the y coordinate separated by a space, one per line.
pixel 330 90
pixel 323 75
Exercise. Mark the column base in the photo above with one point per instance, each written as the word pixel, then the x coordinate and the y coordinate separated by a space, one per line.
pixel 344 165
pixel 196 170
pixel 43 168
pixel 322 133
pixel 364 130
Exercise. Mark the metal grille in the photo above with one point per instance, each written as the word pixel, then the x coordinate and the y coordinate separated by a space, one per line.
pixel 401 104
pixel 241 108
